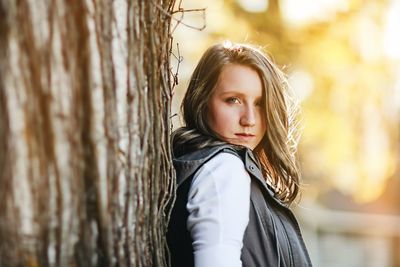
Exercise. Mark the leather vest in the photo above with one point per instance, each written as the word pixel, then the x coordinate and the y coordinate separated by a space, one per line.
pixel 272 237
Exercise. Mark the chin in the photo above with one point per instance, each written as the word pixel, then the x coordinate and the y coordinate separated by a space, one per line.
pixel 245 145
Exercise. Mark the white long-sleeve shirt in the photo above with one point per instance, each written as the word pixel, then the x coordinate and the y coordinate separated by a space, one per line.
pixel 218 206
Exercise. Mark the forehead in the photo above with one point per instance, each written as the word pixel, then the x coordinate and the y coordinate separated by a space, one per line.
pixel 236 78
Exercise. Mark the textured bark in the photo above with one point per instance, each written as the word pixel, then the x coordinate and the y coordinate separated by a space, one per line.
pixel 85 165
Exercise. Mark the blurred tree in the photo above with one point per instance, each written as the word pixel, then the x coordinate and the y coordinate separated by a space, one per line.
pixel 85 164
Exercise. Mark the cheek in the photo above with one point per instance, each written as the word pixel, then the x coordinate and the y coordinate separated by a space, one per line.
pixel 219 118
pixel 263 125
pixel 222 115
pixel 262 122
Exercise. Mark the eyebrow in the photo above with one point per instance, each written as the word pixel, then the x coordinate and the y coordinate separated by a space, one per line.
pixel 231 92
pixel 235 93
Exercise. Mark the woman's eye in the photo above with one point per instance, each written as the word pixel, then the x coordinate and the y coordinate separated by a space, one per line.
pixel 233 100
pixel 258 103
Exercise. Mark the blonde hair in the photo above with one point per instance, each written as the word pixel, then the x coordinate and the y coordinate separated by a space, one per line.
pixel 276 152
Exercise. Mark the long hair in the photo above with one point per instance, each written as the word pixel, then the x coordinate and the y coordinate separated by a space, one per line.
pixel 277 150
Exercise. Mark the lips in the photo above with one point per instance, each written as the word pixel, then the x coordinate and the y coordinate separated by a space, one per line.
pixel 245 135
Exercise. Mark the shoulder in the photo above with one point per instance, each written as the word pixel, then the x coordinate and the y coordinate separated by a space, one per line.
pixel 228 160
pixel 189 163
pixel 224 169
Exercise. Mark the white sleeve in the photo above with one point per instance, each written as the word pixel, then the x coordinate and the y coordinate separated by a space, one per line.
pixel 218 206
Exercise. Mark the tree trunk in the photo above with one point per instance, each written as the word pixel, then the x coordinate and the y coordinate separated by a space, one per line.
pixel 85 163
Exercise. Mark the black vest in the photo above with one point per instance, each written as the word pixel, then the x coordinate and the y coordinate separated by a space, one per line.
pixel 272 237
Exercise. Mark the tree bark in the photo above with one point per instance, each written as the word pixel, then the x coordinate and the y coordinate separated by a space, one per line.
pixel 85 165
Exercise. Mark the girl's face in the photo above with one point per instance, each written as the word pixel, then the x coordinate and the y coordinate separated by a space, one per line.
pixel 235 107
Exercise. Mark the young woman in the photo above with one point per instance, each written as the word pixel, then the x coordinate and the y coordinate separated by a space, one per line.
pixel 235 165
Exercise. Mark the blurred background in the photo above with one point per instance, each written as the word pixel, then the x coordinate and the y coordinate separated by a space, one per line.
pixel 342 58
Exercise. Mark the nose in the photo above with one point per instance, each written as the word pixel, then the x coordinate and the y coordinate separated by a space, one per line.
pixel 248 117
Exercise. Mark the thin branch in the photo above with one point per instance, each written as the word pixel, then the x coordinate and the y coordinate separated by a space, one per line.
pixel 180 20
pixel 182 10
pixel 179 58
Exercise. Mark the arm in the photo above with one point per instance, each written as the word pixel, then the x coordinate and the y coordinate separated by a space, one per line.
pixel 218 206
